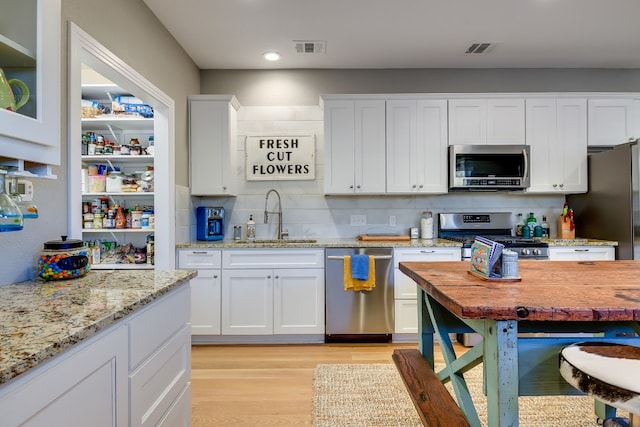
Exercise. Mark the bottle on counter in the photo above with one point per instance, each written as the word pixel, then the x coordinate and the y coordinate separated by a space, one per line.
pixel 251 228
pixel 545 227
pixel 426 225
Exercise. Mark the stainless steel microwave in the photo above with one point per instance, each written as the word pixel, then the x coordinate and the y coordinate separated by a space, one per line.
pixel 489 167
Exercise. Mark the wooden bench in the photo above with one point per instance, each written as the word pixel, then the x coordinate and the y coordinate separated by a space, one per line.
pixel 435 405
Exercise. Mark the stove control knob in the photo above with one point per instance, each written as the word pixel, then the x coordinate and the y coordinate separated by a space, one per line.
pixel 525 251
pixel 537 252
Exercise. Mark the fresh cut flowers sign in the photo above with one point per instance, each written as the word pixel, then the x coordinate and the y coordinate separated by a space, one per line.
pixel 280 157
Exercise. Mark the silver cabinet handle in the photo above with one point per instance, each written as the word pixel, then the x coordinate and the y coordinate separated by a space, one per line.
pixel 334 257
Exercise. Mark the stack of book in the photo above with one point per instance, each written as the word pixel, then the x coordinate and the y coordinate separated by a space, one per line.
pixel 485 258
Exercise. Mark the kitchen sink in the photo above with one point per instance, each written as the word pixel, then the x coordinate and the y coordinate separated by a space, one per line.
pixel 276 241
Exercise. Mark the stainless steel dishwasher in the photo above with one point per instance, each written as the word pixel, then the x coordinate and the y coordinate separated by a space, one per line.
pixel 361 316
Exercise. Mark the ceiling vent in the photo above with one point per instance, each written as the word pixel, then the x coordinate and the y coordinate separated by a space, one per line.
pixel 310 46
pixel 480 48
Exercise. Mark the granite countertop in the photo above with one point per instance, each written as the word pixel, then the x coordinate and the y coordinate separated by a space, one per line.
pixel 351 243
pixel 41 319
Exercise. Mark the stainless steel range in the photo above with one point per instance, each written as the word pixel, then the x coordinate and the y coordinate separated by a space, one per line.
pixel 497 226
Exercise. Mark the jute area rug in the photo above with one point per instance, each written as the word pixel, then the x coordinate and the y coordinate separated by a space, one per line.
pixel 373 395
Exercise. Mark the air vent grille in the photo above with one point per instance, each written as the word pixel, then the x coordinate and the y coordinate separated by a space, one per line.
pixel 310 46
pixel 479 48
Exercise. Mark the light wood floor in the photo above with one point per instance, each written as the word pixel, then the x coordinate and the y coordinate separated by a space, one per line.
pixel 251 385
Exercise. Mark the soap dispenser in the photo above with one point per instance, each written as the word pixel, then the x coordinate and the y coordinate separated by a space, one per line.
pixel 251 229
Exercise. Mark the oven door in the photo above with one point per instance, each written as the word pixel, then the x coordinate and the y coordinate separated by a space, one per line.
pixel 489 167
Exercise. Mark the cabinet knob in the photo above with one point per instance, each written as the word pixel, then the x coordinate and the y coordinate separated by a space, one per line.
pixel 224 188
pixel 268 276
pixel 351 187
pixel 413 186
pixel 555 185
pixel 561 185
pixel 215 276
pixel 277 277
pixel 357 186
pixel 420 186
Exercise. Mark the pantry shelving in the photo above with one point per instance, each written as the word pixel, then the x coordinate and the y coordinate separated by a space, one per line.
pixel 118 247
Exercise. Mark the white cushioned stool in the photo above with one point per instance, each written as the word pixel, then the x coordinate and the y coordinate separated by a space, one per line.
pixel 608 372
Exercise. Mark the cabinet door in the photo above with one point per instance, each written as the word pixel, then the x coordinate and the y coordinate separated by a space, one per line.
pixel 298 301
pixel 547 163
pixel 30 52
pixel 611 121
pixel 582 253
pixel 572 141
pixel 431 150
pixel 487 121
pixel 467 121
pixel 339 137
pixel 402 145
pixel 247 302
pixel 354 147
pixel 205 303
pixel 505 121
pixel 370 147
pixel 86 387
pixel 406 316
pixel 212 145
pixel 556 132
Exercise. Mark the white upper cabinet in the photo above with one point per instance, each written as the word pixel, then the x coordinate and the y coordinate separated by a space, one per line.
pixel 30 53
pixel 612 121
pixel 416 146
pixel 212 144
pixel 557 134
pixel 354 132
pixel 487 121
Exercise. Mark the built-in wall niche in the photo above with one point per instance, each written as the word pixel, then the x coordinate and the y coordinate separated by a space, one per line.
pixel 88 57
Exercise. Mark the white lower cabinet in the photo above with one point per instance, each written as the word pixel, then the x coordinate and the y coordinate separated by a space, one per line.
pixel 205 288
pixel 135 373
pixel 582 253
pixel 287 298
pixel 82 389
pixel 405 289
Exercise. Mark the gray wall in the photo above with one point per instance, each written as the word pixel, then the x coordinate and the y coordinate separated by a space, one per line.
pixel 303 87
pixel 131 32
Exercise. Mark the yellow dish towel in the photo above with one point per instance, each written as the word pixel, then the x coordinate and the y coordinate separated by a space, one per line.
pixel 351 284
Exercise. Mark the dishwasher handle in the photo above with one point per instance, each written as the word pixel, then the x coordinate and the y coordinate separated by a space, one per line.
pixel 336 257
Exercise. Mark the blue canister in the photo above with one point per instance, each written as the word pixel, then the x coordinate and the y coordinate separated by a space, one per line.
pixel 509 264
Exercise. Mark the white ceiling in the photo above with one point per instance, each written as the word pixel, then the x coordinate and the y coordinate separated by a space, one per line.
pixel 233 34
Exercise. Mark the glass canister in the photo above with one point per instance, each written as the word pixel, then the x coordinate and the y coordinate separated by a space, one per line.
pixel 426 225
pixel 63 259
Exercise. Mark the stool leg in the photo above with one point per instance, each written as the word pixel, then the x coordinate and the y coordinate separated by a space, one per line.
pixel 634 420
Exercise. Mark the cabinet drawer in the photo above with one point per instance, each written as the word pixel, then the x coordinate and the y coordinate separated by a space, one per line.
pixel 426 254
pixel 199 259
pixel 278 258
pixel 158 382
pixel 156 324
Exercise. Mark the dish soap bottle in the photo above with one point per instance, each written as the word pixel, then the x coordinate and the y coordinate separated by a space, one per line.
pixel 545 226
pixel 251 229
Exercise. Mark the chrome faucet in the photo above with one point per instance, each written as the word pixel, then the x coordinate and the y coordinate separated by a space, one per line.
pixel 278 212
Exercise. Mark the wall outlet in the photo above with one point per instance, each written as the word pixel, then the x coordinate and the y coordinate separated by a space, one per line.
pixel 358 220
pixel 392 220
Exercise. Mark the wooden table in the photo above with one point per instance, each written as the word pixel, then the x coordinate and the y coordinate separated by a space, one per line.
pixel 571 300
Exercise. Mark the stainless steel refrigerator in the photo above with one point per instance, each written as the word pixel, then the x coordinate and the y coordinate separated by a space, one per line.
pixel 610 209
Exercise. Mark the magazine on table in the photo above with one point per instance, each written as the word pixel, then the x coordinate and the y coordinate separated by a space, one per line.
pixel 485 257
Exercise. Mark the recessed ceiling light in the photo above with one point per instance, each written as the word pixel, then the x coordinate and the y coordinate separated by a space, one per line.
pixel 271 56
